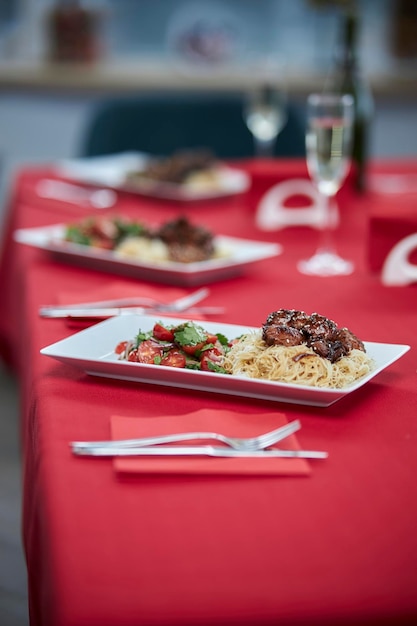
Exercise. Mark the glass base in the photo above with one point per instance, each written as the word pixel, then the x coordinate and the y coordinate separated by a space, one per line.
pixel 325 264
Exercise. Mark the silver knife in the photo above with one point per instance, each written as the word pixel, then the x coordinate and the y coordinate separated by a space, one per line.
pixel 213 451
pixel 145 301
pixel 183 301
pixel 103 313
pixel 100 313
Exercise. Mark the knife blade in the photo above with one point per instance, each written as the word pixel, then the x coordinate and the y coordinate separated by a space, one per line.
pixel 212 451
pixel 89 311
pixel 104 313
pixel 179 303
pixel 100 313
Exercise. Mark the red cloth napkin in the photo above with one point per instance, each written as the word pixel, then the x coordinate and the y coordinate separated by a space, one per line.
pixel 390 220
pixel 223 421
pixel 120 289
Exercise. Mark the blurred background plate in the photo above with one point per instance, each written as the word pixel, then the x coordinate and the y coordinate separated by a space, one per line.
pixel 111 171
pixel 242 252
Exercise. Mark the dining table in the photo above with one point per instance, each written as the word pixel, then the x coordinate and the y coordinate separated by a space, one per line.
pixel 140 542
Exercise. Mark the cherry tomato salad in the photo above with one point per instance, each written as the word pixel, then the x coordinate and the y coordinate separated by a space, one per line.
pixel 186 345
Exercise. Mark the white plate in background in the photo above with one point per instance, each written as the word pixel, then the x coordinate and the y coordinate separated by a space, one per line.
pixel 111 171
pixel 241 253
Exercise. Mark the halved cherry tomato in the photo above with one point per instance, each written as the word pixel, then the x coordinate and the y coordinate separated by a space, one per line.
pixel 174 358
pixel 121 347
pixel 162 333
pixel 133 355
pixel 192 349
pixel 212 339
pixel 105 228
pixel 148 350
pixel 103 244
pixel 211 356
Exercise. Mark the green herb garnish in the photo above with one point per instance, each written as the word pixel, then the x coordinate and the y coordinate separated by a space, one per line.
pixel 213 367
pixel 142 336
pixel 222 339
pixel 189 334
pixel 76 235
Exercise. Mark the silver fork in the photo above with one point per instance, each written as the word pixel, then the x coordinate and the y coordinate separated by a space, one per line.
pixel 94 309
pixel 252 443
pixel 216 451
pixel 75 194
pixel 193 297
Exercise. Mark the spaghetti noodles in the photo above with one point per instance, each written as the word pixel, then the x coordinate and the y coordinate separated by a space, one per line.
pixel 298 364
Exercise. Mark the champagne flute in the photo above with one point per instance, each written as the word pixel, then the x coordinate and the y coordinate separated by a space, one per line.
pixel 265 108
pixel 328 146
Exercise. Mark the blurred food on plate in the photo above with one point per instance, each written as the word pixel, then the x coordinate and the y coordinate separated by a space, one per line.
pixel 177 240
pixel 195 169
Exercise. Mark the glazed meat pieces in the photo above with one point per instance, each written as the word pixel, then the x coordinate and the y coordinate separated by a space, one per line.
pixel 281 335
pixel 287 327
pixel 318 327
pixel 186 243
pixel 348 339
pixel 288 317
pixel 176 168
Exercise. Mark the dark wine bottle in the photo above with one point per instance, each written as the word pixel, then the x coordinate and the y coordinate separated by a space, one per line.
pixel 349 79
pixel 73 32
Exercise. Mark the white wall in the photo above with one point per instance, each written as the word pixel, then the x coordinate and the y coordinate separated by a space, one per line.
pixel 395 128
pixel 37 129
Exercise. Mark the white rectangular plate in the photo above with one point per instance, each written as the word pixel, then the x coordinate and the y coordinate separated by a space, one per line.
pixel 241 252
pixel 111 171
pixel 92 350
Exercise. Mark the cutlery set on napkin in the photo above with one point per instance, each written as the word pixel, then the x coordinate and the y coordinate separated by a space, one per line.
pixel 258 453
pixel 103 309
pixel 236 447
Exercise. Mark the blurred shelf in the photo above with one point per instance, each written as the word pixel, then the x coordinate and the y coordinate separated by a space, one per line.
pixel 138 75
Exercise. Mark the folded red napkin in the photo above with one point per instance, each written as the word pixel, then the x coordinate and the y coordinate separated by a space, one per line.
pixel 227 422
pixel 390 221
pixel 121 289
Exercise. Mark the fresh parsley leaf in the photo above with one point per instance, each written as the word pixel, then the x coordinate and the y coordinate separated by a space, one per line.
pixel 142 336
pixel 76 235
pixel 222 339
pixel 189 334
pixel 208 346
pixel 213 367
pixel 129 229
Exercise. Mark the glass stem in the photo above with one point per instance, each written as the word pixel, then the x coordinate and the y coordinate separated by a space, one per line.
pixel 264 148
pixel 326 245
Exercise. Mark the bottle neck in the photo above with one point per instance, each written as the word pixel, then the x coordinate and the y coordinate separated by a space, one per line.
pixel 347 54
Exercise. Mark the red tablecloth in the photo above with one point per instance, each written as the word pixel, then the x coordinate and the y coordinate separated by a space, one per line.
pixel 338 546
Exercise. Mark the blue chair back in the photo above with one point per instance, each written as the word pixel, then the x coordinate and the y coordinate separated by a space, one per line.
pixel 164 123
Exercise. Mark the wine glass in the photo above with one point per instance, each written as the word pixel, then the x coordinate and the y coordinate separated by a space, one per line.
pixel 328 146
pixel 265 107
